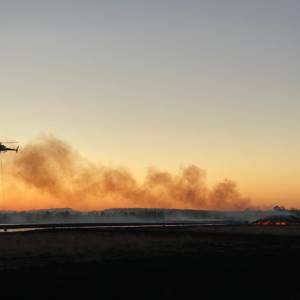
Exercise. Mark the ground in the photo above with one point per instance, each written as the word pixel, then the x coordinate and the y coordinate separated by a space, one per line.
pixel 203 262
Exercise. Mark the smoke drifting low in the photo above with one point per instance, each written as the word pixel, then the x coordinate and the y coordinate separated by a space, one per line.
pixel 50 173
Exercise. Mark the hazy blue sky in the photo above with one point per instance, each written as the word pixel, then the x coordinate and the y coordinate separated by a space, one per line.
pixel 165 83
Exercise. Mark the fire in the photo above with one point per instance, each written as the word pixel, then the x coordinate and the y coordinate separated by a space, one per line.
pixel 266 223
pixel 279 220
pixel 281 223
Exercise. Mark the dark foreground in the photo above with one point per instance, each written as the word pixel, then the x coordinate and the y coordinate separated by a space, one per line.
pixel 196 262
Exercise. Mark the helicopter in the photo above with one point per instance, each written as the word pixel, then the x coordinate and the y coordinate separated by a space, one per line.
pixel 4 149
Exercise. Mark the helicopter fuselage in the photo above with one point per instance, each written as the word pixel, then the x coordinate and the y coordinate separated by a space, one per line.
pixel 3 148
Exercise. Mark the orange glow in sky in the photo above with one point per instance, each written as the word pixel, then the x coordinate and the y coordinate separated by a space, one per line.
pixel 155 84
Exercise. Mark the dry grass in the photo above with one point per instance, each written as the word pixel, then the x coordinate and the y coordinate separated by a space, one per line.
pixel 43 247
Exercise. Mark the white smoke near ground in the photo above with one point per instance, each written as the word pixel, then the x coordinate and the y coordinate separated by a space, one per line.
pixel 49 173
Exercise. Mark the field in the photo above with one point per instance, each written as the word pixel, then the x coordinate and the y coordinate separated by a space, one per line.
pixel 229 262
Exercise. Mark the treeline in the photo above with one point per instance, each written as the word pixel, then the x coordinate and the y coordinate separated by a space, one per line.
pixel 134 214
pixel 282 209
pixel 49 216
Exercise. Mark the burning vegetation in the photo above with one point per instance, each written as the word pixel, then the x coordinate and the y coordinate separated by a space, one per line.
pixel 279 220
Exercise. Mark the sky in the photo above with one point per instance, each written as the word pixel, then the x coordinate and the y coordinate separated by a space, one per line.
pixel 160 83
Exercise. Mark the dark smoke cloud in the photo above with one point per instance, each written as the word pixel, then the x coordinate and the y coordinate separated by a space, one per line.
pixel 49 173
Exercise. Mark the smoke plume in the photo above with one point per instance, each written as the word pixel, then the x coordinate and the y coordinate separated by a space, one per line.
pixel 49 173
